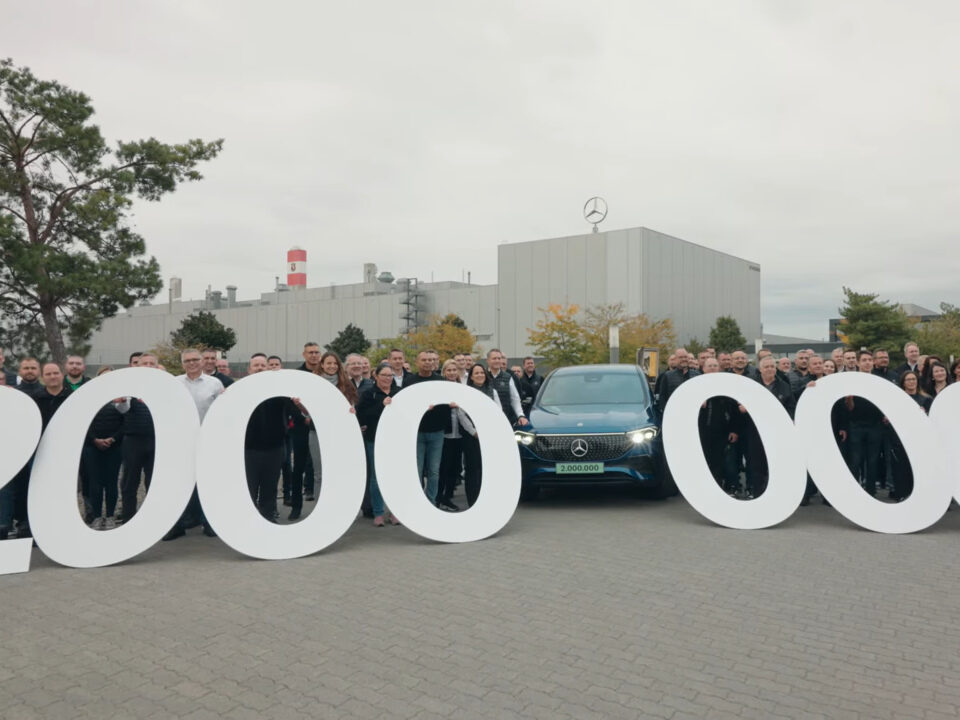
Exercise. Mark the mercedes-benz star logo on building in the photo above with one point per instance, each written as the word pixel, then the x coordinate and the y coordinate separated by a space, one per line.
pixel 594 211
pixel 579 447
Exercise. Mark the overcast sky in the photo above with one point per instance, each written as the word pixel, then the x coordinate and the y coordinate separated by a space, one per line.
pixel 819 139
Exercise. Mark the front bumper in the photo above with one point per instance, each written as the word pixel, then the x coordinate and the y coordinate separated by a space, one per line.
pixel 637 466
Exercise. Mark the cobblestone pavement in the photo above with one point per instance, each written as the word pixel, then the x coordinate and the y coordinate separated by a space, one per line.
pixel 583 607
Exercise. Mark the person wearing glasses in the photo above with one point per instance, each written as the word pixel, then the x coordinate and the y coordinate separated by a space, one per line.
pixel 204 389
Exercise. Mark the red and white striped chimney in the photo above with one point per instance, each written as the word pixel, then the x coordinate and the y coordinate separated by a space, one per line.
pixel 296 268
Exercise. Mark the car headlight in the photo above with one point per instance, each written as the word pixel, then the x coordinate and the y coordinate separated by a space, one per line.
pixel 524 438
pixel 639 437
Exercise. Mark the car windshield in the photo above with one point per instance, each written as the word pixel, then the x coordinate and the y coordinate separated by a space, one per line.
pixel 594 388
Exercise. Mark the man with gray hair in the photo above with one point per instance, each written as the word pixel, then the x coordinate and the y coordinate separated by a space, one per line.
pixel 204 389
pixel 354 367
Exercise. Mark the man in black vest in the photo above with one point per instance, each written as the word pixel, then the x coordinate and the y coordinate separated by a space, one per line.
pixel 530 383
pixel 507 387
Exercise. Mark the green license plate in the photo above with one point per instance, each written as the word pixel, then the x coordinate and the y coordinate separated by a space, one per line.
pixel 579 468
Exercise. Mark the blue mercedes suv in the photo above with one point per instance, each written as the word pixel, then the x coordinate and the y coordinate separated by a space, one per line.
pixel 591 425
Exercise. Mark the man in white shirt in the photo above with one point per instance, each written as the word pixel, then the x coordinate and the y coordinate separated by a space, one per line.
pixel 204 389
pixel 463 366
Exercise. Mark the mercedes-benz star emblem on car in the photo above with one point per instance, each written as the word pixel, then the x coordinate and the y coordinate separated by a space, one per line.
pixel 594 211
pixel 579 447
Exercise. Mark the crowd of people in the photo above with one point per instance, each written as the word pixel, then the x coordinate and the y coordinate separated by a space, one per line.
pixel 282 451
pixel 281 447
pixel 868 442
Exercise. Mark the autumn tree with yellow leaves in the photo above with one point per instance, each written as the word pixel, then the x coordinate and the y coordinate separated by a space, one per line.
pixel 562 337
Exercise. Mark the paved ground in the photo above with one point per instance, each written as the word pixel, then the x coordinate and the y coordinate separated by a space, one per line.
pixel 582 608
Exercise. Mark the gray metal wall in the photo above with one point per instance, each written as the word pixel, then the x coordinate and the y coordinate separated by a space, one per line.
pixel 280 323
pixel 652 273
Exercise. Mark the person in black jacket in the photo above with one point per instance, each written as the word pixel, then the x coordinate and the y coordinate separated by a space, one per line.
pixel 881 366
pixel 430 433
pixel 472 465
pixel 740 365
pixel 672 379
pixel 51 395
pixel 263 446
pixel 799 376
pixel 865 433
pixel 138 445
pixel 100 459
pixel 29 377
pixel 370 406
pixel 912 353
pixel 398 359
pixel 756 458
pixel 530 383
pixel 300 473
pixel 13 494
pixel 902 473
pixel 209 356
pixel 719 424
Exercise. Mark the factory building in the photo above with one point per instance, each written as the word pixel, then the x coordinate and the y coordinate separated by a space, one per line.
pixel 649 272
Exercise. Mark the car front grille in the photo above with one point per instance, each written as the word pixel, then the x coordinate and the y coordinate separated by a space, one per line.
pixel 560 448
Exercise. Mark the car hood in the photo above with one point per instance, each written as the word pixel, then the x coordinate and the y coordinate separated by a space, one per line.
pixel 574 419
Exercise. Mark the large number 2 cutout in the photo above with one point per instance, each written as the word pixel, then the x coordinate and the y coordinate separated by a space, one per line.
pixel 20 432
